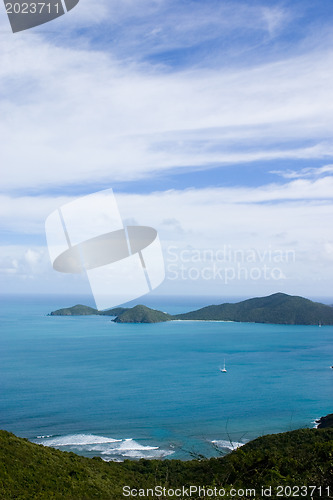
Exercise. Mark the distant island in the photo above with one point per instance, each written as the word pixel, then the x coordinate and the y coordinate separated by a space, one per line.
pixel 278 308
pixel 80 310
pixel 142 314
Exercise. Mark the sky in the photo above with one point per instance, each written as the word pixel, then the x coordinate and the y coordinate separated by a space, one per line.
pixel 211 121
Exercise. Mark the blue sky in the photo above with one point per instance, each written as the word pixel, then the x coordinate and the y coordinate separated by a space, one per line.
pixel 212 121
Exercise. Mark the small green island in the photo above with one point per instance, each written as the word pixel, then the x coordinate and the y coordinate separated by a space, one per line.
pixel 80 310
pixel 142 314
pixel 278 308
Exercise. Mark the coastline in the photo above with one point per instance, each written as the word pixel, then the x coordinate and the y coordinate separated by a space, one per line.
pixel 119 449
pixel 34 471
pixel 324 422
pixel 278 308
pixel 205 321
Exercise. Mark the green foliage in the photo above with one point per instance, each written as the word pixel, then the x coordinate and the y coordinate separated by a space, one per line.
pixel 113 312
pixel 278 308
pixel 30 471
pixel 80 310
pixel 142 314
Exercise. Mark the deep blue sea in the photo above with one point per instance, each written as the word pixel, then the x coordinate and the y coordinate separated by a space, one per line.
pixel 91 386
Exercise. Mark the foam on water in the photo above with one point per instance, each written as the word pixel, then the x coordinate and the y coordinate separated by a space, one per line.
pixel 316 423
pixel 75 440
pixel 229 445
pixel 130 444
pixel 107 448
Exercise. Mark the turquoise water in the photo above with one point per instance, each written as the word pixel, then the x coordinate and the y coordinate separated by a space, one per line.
pixel 119 391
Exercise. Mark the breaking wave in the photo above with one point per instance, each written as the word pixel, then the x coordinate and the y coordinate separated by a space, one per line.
pixel 228 445
pixel 107 448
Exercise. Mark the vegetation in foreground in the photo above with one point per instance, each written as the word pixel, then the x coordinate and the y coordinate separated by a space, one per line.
pixel 298 458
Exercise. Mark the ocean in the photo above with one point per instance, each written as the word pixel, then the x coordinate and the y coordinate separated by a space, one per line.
pixel 118 391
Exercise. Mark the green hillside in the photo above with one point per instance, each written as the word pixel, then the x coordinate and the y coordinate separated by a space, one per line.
pixel 80 310
pixel 298 458
pixel 113 312
pixel 278 308
pixel 30 471
pixel 142 314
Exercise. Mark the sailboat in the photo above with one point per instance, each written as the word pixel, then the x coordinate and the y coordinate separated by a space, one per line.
pixel 223 370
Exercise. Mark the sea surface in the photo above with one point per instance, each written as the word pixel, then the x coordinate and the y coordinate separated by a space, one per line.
pixel 88 385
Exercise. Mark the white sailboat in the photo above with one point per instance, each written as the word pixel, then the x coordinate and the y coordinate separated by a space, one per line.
pixel 223 370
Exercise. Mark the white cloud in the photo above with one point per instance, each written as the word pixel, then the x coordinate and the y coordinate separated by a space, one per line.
pixel 23 262
pixel 134 29
pixel 146 27
pixel 27 269
pixel 293 217
pixel 309 172
pixel 75 116
pixel 276 18
pixel 27 214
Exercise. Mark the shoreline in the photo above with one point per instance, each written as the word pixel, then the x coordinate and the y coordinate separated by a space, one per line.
pixel 277 308
pixel 119 449
pixel 33 471
pixel 324 422
pixel 206 321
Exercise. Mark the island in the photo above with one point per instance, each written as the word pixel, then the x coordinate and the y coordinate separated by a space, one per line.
pixel 142 314
pixel 80 310
pixel 278 308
